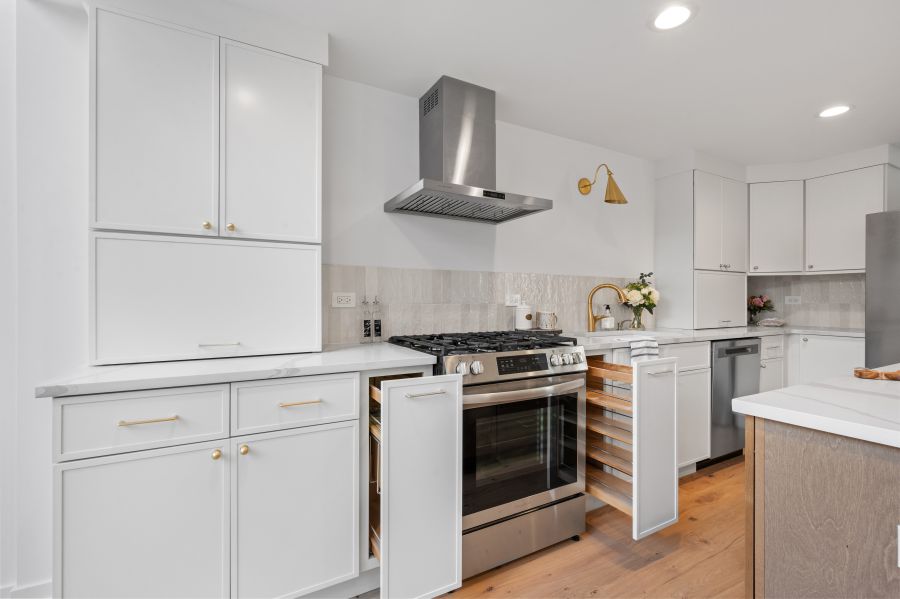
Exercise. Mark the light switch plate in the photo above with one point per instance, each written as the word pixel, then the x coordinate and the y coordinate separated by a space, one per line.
pixel 792 300
pixel 343 299
pixel 513 299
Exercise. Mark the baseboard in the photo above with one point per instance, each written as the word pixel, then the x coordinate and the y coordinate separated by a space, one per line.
pixel 40 590
pixel 364 583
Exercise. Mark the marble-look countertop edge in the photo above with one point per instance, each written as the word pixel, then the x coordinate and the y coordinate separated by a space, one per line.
pixel 136 377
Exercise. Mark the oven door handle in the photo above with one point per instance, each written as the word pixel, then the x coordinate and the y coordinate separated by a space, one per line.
pixel 500 397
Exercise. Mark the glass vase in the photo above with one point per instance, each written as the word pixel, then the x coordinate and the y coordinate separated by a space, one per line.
pixel 637 321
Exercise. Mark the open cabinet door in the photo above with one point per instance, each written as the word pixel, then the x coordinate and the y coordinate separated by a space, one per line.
pixel 655 478
pixel 421 486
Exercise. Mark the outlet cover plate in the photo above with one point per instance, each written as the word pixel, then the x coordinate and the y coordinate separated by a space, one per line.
pixel 343 299
pixel 513 300
pixel 792 300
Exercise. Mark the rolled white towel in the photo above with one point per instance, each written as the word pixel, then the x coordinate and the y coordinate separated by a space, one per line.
pixel 644 348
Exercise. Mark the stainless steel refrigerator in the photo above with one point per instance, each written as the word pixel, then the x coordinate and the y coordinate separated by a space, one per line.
pixel 882 289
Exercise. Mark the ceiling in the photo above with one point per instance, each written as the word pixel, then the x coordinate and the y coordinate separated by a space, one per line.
pixel 742 80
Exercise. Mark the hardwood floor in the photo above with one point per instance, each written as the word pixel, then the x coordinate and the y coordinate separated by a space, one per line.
pixel 700 556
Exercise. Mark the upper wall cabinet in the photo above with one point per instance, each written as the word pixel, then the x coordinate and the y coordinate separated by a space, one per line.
pixel 720 223
pixel 836 209
pixel 195 134
pixel 271 148
pixel 776 227
pixel 155 126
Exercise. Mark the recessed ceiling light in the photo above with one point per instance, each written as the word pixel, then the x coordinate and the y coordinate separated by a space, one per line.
pixel 834 111
pixel 672 17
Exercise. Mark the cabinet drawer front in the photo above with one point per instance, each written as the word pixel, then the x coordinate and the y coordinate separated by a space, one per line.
pixel 96 425
pixel 772 347
pixel 691 356
pixel 173 298
pixel 288 403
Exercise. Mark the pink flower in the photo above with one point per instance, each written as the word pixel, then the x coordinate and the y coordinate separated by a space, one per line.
pixel 765 298
pixel 757 302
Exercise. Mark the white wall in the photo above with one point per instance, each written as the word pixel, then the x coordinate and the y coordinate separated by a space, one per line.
pixel 7 292
pixel 52 248
pixel 371 153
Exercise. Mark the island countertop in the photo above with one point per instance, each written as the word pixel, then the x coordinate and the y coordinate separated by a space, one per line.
pixel 868 410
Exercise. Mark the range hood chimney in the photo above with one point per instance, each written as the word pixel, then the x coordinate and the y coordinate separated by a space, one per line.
pixel 458 160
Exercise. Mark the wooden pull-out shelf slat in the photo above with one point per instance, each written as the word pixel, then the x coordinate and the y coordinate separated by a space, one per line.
pixel 375 431
pixel 616 429
pixel 610 400
pixel 598 369
pixel 611 455
pixel 375 383
pixel 375 545
pixel 375 393
pixel 609 489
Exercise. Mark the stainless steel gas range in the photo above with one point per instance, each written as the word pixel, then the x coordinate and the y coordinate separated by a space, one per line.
pixel 523 439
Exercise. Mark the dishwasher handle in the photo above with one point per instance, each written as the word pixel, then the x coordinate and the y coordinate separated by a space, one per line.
pixel 733 352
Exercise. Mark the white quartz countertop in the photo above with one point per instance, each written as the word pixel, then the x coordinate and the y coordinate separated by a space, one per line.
pixel 848 406
pixel 618 339
pixel 132 377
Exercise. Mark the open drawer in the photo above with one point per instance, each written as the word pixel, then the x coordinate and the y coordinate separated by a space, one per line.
pixel 415 484
pixel 631 441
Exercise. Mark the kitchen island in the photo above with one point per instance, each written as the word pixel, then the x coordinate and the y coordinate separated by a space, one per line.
pixel 823 489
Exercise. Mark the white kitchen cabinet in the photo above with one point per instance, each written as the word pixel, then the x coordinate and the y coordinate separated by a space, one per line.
pixel 145 524
pixel 694 402
pixel 271 145
pixel 814 358
pixel 720 299
pixel 776 227
pixel 421 486
pixel 836 209
pixel 171 298
pixel 295 510
pixel 771 374
pixel 155 120
pixel 720 223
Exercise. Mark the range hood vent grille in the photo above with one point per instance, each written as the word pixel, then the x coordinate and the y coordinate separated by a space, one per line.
pixel 431 101
pixel 427 202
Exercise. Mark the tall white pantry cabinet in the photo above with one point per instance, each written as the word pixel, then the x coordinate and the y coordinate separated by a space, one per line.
pixel 216 144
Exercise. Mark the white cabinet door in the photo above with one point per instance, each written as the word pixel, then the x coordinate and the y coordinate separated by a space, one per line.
pixel 155 108
pixel 776 227
pixel 734 225
pixel 720 299
pixel 815 358
pixel 295 526
pixel 708 214
pixel 421 486
pixel 771 374
pixel 693 415
pixel 171 298
pixel 145 524
pixel 836 209
pixel 271 145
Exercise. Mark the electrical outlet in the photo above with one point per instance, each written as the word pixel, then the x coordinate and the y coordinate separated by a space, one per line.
pixel 343 299
pixel 513 299
pixel 792 300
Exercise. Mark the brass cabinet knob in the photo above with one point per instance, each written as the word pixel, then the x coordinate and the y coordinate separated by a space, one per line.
pixel 230 227
pixel 216 454
pixel 207 225
pixel 244 449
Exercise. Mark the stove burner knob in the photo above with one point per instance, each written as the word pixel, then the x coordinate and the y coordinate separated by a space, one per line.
pixel 462 368
pixel 555 360
pixel 577 358
pixel 567 359
pixel 477 367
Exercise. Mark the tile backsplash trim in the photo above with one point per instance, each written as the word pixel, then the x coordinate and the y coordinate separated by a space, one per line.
pixel 421 301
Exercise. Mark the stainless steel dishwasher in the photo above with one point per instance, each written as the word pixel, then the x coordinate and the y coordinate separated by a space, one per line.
pixel 735 373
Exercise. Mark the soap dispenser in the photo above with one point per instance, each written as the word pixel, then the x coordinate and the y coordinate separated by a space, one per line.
pixel 607 320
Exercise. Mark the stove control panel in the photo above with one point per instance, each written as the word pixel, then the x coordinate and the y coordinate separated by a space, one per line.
pixel 487 367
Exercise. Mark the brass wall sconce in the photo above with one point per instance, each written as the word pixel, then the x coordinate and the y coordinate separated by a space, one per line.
pixel 613 195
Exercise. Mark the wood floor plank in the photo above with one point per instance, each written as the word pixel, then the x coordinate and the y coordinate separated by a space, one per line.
pixel 702 555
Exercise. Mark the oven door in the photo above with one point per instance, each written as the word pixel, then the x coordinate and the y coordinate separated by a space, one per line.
pixel 523 446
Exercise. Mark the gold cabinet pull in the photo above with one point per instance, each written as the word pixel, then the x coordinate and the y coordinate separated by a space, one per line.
pixel 299 403
pixel 147 421
pixel 230 227
pixel 244 449
pixel 207 225
pixel 216 454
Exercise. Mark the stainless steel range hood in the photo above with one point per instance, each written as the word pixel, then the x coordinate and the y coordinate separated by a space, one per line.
pixel 458 160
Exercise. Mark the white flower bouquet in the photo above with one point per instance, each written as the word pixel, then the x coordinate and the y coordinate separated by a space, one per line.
pixel 640 295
